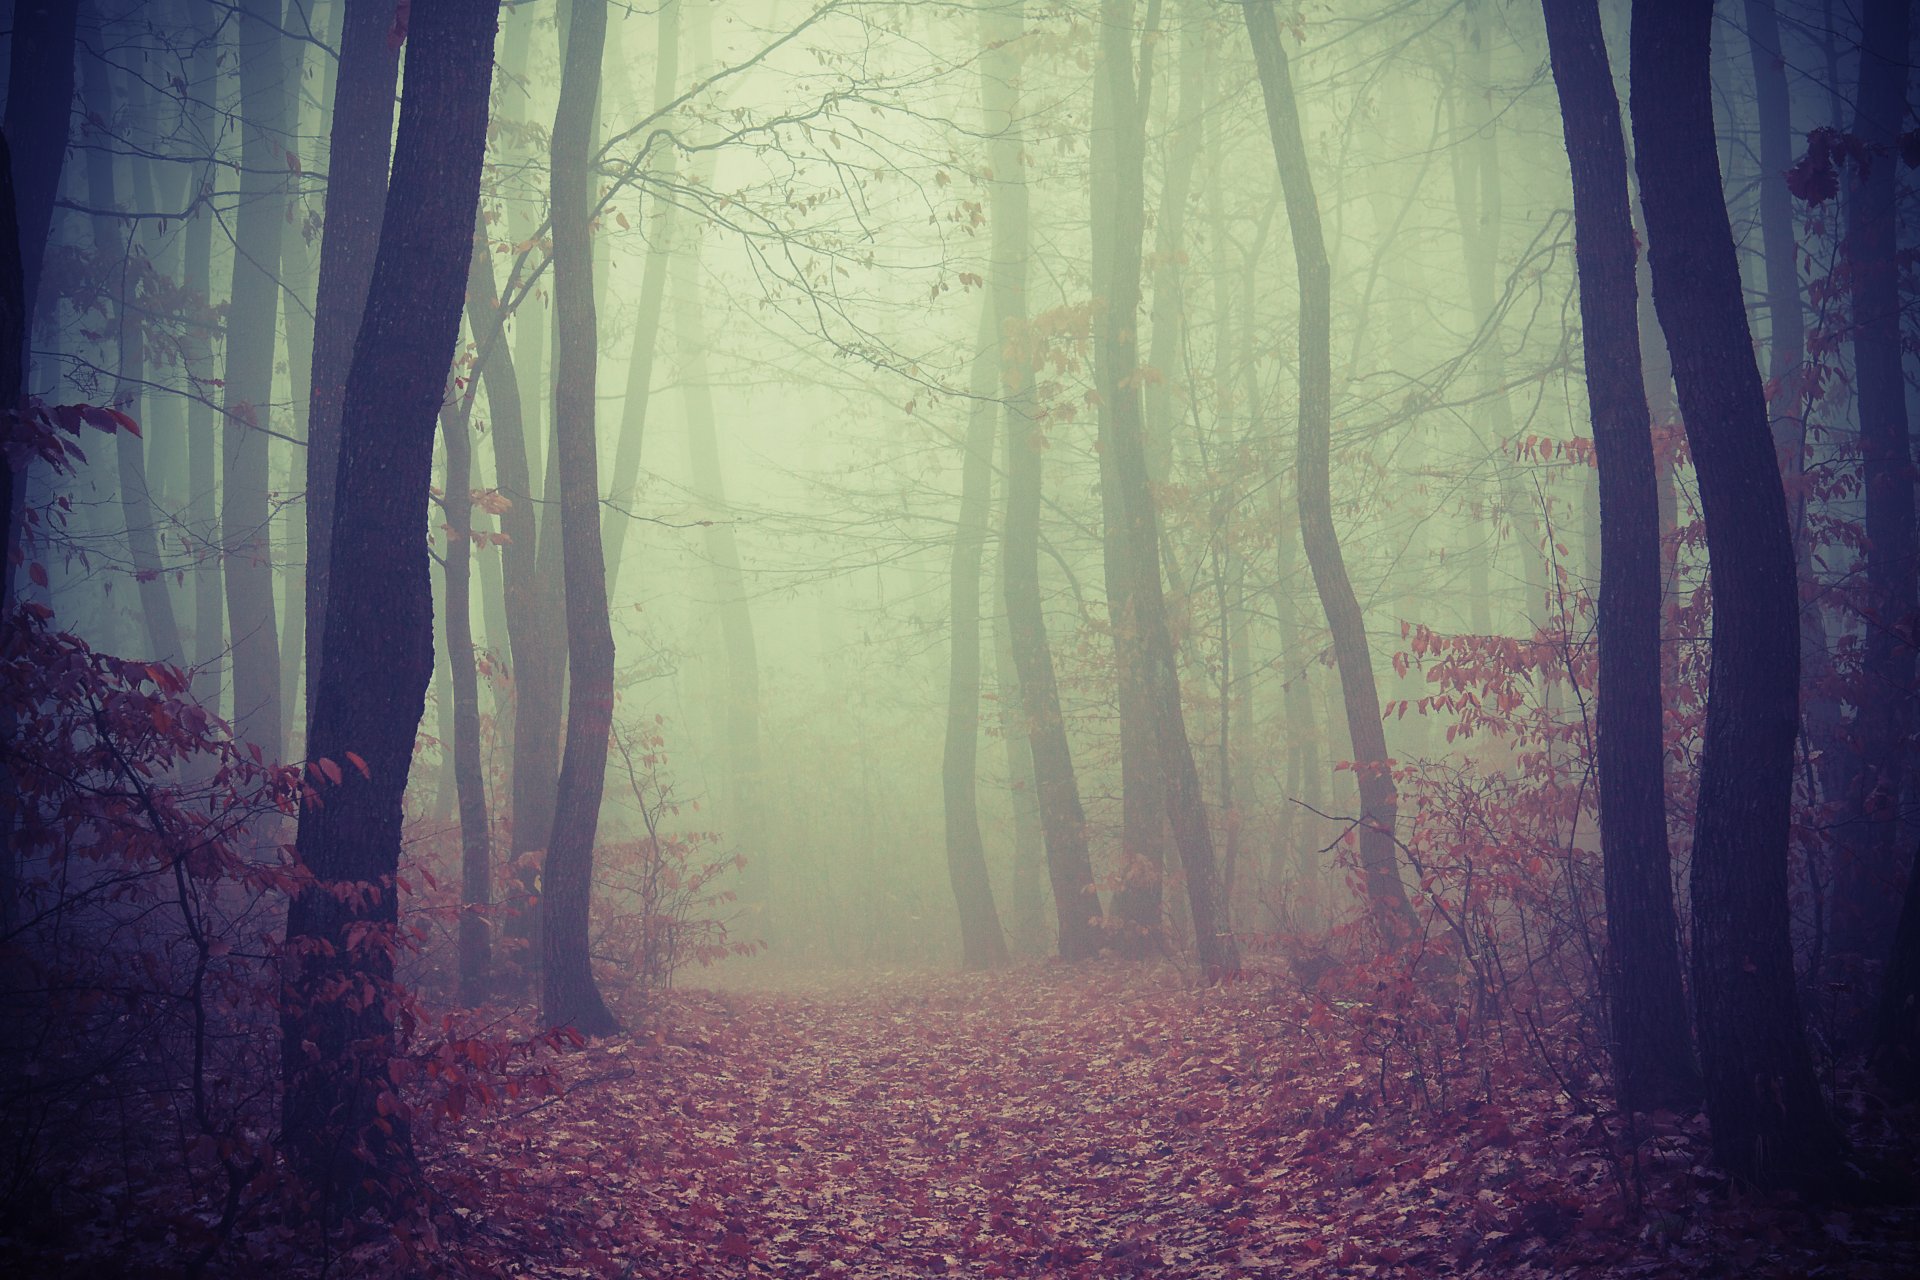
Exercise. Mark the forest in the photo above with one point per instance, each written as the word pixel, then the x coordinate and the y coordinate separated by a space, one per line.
pixel 993 638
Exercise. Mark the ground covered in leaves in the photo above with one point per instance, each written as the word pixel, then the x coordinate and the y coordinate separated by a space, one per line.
pixel 1102 1121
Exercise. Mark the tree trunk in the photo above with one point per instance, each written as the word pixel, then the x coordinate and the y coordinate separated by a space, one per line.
pixel 359 147
pixel 1896 1042
pixel 615 526
pixel 342 1128
pixel 1872 862
pixel 569 995
pixel 983 945
pixel 1386 896
pixel 1652 1052
pixel 39 109
pixel 125 261
pixel 534 650
pixel 1144 610
pixel 1057 791
pixel 1747 1009
pixel 476 844
pixel 1138 904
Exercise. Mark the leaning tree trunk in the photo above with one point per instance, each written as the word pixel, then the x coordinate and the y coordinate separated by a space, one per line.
pixel 1057 792
pixel 1386 896
pixel 983 944
pixel 1652 1051
pixel 361 140
pixel 1747 1008
pixel 1144 613
pixel 246 551
pixel 343 1131
pixel 569 995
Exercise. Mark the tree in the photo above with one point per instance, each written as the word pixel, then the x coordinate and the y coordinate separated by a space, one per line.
pixel 246 554
pixel 470 788
pixel 1144 611
pixel 1770 1123
pixel 1652 1053
pixel 1386 896
pixel 569 995
pixel 1872 853
pixel 343 1127
pixel 362 134
pixel 1057 792
pixel 39 108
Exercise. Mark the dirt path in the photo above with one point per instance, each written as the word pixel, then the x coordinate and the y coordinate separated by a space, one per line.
pixel 1071 1122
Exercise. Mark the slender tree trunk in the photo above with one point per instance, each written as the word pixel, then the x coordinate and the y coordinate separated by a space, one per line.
pixel 1747 1009
pixel 983 944
pixel 360 142
pixel 342 1130
pixel 1896 1045
pixel 476 843
pixel 538 674
pixel 1386 896
pixel 1057 792
pixel 125 261
pixel 1144 610
pixel 741 699
pixel 615 527
pixel 1138 901
pixel 1652 1051
pixel 1872 860
pixel 569 994
pixel 246 551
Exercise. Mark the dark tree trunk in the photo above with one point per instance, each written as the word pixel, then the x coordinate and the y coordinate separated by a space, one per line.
pixel 983 945
pixel 1057 792
pixel 341 1127
pixel 476 844
pixel 1872 860
pixel 1652 1051
pixel 533 644
pixel 361 140
pixel 1144 612
pixel 1770 1123
pixel 569 995
pixel 1896 1047
pixel 39 109
pixel 1386 896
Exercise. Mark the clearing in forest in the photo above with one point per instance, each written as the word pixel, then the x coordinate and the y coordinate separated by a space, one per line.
pixel 1092 1121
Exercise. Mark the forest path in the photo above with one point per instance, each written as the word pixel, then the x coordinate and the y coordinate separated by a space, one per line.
pixel 1091 1121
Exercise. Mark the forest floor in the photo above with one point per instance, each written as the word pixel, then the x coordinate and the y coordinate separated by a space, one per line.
pixel 1092 1121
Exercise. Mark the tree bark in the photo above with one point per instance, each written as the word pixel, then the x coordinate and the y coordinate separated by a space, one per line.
pixel 534 648
pixel 1872 863
pixel 246 551
pixel 361 140
pixel 569 995
pixel 1747 1008
pixel 1386 896
pixel 344 1130
pixel 1144 610
pixel 476 843
pixel 615 527
pixel 983 945
pixel 1652 1050
pixel 1057 792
